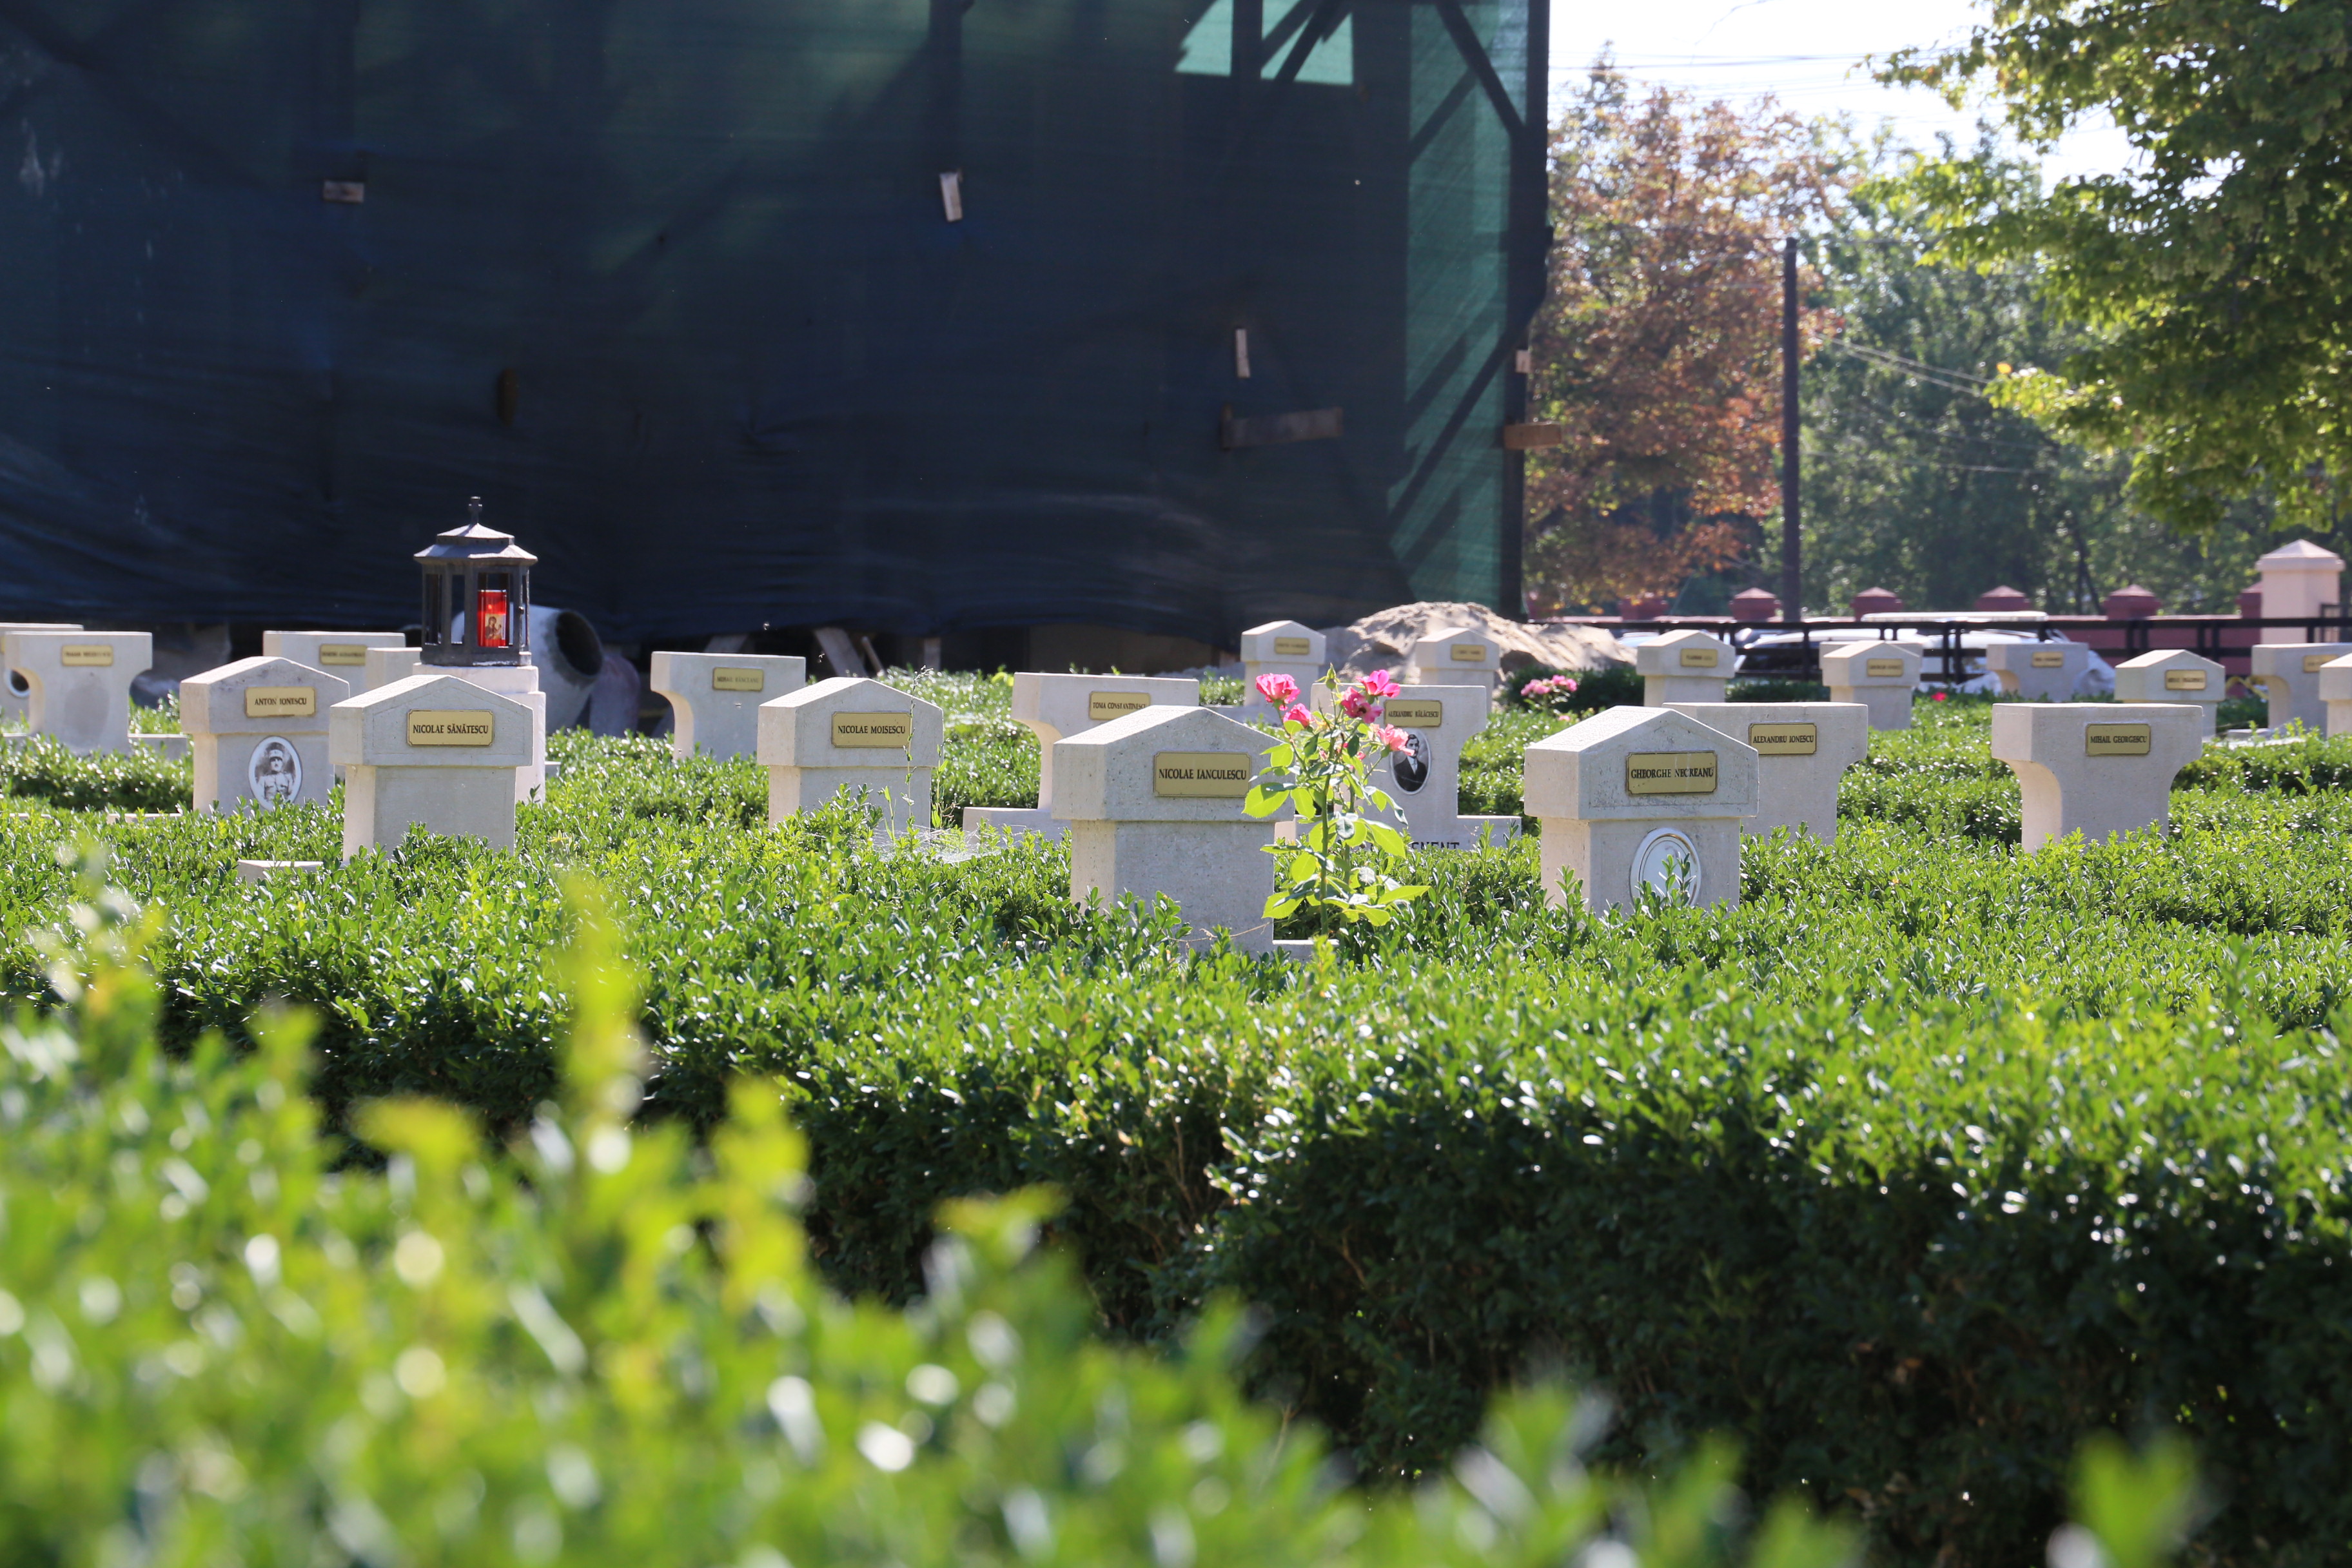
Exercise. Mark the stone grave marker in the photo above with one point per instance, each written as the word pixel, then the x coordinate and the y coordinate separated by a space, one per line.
pixel 1685 667
pixel 1803 750
pixel 1279 648
pixel 341 653
pixel 2288 673
pixel 382 666
pixel 2038 671
pixel 717 698
pixel 1636 797
pixel 1455 656
pixel 431 750
pixel 1058 706
pixel 2095 768
pixel 1425 781
pixel 853 732
pixel 2173 675
pixel 16 696
pixel 2336 694
pixel 1153 802
pixel 258 728
pixel 1880 675
pixel 79 684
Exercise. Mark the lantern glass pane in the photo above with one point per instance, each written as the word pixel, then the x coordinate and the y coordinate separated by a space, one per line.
pixel 435 621
pixel 493 612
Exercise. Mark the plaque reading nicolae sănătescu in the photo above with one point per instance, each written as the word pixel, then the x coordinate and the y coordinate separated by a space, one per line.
pixel 849 733
pixel 1425 779
pixel 433 751
pixel 2177 675
pixel 2094 768
pixel 2038 671
pixel 1055 708
pixel 1881 674
pixel 1802 750
pixel 1683 667
pixel 717 698
pixel 79 684
pixel 1153 802
pixel 256 730
pixel 2288 674
pixel 477 624
pixel 1641 797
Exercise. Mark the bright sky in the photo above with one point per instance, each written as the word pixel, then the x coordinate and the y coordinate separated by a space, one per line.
pixel 1807 53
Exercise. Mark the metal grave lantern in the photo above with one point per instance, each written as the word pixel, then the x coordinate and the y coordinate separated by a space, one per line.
pixel 484 576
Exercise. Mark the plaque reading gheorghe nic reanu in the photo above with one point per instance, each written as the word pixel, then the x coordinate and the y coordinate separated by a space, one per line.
pixel 736 678
pixel 451 727
pixel 894 732
pixel 1785 740
pixel 2115 739
pixel 281 701
pixel 1201 775
pixel 1102 705
pixel 1670 772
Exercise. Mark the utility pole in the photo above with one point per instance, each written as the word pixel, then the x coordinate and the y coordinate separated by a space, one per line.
pixel 1792 514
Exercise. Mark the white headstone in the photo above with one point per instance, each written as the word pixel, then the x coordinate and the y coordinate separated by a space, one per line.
pixel 1636 797
pixel 1455 656
pixel 2038 671
pixel 1880 675
pixel 855 734
pixel 343 654
pixel 1154 805
pixel 2094 768
pixel 383 666
pixel 81 684
pixel 2173 675
pixel 1057 706
pixel 433 752
pixel 257 730
pixel 2288 673
pixel 1282 648
pixel 1425 781
pixel 2336 694
pixel 1803 750
pixel 717 698
pixel 2299 581
pixel 1685 667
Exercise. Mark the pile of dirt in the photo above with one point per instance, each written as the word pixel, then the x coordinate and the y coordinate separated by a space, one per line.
pixel 1382 640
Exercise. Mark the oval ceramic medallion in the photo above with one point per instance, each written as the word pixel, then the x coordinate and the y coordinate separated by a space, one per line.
pixel 1667 862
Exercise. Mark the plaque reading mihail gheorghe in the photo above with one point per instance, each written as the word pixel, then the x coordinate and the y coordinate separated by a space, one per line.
pixel 2115 739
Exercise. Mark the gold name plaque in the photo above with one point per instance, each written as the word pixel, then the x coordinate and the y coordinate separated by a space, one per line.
pixel 1670 772
pixel 86 656
pixel 2049 658
pixel 1201 775
pixel 2313 663
pixel 343 655
pixel 449 727
pixel 1467 653
pixel 894 732
pixel 1102 705
pixel 2184 680
pixel 1883 668
pixel 1413 712
pixel 1785 740
pixel 735 678
pixel 1698 658
pixel 1292 647
pixel 2115 739
pixel 281 701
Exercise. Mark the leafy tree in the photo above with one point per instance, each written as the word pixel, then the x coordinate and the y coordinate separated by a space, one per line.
pixel 1658 349
pixel 2212 277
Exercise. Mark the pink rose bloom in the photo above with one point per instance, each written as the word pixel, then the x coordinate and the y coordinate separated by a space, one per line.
pixel 1390 736
pixel 1355 705
pixel 1277 689
pixel 1297 715
pixel 1380 684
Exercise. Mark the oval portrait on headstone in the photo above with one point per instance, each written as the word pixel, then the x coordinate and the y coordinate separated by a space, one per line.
pixel 274 772
pixel 1667 864
pixel 1410 768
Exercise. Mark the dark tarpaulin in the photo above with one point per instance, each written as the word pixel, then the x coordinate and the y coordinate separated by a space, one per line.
pixel 670 284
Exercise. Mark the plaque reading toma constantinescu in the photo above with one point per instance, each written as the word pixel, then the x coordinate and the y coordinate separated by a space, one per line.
pixel 895 732
pixel 281 701
pixel 2115 739
pixel 1291 647
pixel 451 727
pixel 1698 658
pixel 1201 775
pixel 1102 705
pixel 1785 740
pixel 2049 658
pixel 1415 712
pixel 1670 772
pixel 727 678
